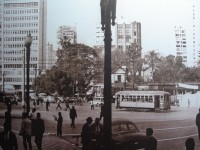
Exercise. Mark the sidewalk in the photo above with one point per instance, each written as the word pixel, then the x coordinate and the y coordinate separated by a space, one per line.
pixel 50 140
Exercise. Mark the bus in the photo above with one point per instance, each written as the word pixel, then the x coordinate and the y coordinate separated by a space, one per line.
pixel 145 100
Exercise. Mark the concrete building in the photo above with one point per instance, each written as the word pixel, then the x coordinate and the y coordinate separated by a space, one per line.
pixel 51 56
pixel 181 44
pixel 196 33
pixel 127 34
pixel 17 19
pixel 69 32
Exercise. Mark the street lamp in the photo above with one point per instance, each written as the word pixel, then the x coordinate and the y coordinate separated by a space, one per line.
pixel 27 43
pixel 108 11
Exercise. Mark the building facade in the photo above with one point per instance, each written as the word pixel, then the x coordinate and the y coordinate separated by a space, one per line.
pixel 127 34
pixel 17 19
pixel 181 44
pixel 69 32
pixel 196 33
pixel 51 56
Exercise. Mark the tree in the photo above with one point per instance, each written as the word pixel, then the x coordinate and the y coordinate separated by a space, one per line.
pixel 152 58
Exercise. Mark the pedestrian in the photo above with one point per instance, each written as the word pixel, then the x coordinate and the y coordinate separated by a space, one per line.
pixel 39 131
pixel 25 131
pixel 73 115
pixel 188 103
pixel 86 134
pixel 92 105
pixel 58 104
pixel 32 114
pixel 97 133
pixel 8 140
pixel 67 104
pixel 198 123
pixel 102 111
pixel 47 105
pixel 59 125
pixel 34 103
pixel 151 142
pixel 8 117
pixel 190 144
pixel 8 104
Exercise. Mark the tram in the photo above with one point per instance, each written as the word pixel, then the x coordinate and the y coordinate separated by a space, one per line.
pixel 150 100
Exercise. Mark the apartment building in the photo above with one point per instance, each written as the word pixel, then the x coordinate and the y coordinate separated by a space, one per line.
pixel 127 34
pixel 69 32
pixel 181 44
pixel 196 33
pixel 17 19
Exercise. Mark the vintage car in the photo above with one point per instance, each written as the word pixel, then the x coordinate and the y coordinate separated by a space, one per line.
pixel 97 101
pixel 126 135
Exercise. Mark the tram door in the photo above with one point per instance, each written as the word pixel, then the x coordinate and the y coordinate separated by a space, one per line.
pixel 157 101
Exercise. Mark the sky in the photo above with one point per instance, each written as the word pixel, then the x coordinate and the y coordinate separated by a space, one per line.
pixel 158 19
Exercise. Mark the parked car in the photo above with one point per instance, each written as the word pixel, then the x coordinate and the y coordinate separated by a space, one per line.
pixel 97 101
pixel 50 98
pixel 126 135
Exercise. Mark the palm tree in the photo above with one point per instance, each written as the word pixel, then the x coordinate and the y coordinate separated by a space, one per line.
pixel 152 58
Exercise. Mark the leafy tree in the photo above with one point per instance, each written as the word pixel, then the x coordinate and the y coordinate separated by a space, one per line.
pixel 152 58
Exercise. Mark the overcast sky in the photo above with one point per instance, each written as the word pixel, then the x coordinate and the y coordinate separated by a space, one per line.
pixel 158 19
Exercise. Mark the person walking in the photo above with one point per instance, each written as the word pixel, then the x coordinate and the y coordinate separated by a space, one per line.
pixel 39 131
pixel 25 131
pixel 59 125
pixel 102 111
pixel 58 104
pixel 92 104
pixel 8 140
pixel 151 142
pixel 86 134
pixel 198 123
pixel 47 105
pixel 73 115
pixel 190 144
pixel 67 104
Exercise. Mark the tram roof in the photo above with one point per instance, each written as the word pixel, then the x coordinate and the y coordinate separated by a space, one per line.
pixel 142 92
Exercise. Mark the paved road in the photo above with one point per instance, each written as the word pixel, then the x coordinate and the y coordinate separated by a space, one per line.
pixel 171 127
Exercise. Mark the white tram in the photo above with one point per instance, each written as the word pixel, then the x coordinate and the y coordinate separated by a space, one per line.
pixel 153 100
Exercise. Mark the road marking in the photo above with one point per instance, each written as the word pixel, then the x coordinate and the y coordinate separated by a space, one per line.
pixel 172 128
pixel 177 138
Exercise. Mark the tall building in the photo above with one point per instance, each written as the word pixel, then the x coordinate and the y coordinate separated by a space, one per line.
pixel 51 56
pixel 17 19
pixel 196 33
pixel 69 32
pixel 127 34
pixel 181 43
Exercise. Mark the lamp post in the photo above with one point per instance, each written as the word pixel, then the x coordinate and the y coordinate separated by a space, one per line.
pixel 27 43
pixel 108 11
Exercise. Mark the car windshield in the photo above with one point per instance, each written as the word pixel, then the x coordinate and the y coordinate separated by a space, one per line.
pixel 123 127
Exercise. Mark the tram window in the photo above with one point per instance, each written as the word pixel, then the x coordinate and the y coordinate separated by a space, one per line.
pixel 150 99
pixel 134 98
pixel 138 98
pixel 146 99
pixel 142 98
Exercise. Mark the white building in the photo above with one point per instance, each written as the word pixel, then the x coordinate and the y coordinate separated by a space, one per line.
pixel 69 32
pixel 181 44
pixel 51 56
pixel 196 32
pixel 17 18
pixel 127 34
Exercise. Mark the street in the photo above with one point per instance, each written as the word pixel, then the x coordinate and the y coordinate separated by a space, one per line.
pixel 171 128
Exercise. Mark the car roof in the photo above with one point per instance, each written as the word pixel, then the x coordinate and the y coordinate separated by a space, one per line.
pixel 120 120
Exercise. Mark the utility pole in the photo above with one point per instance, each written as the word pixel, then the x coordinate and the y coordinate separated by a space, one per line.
pixel 35 78
pixel 108 10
